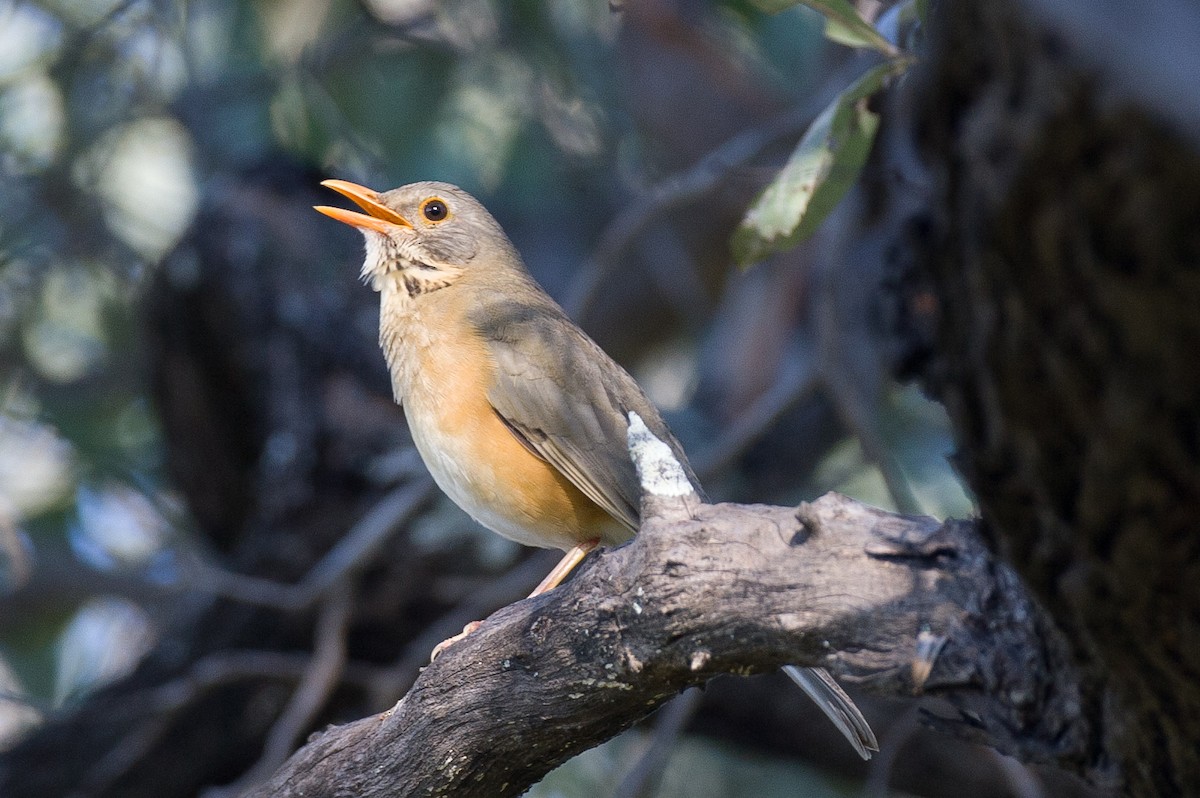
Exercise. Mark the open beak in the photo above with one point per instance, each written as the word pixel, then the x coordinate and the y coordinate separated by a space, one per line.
pixel 378 217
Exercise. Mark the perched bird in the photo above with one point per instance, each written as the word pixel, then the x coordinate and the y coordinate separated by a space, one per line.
pixel 520 417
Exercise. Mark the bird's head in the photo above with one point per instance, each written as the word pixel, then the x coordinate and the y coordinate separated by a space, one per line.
pixel 424 235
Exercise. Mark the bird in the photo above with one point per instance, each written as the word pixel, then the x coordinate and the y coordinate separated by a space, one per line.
pixel 520 417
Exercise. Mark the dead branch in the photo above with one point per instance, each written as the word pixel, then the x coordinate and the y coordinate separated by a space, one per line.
pixel 706 590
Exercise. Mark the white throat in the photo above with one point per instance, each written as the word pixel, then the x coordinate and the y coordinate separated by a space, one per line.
pixel 391 264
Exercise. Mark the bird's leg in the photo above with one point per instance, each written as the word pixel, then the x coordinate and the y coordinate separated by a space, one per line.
pixel 552 580
pixel 565 566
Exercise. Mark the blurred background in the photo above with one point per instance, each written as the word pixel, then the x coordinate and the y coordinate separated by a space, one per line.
pixel 204 484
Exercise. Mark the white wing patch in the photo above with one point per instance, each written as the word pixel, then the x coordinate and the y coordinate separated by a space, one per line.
pixel 658 470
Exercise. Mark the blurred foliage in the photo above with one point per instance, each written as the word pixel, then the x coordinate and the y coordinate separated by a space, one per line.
pixel 119 117
pixel 827 161
pixel 698 769
pixel 843 23
pixel 822 169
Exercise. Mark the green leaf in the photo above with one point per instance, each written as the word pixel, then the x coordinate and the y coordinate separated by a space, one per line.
pixel 818 174
pixel 842 23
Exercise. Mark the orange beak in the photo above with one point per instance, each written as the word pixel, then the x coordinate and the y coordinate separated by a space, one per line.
pixel 378 217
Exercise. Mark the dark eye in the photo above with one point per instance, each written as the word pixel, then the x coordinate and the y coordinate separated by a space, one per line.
pixel 434 209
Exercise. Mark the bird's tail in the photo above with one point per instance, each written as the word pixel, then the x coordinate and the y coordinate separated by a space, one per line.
pixel 833 701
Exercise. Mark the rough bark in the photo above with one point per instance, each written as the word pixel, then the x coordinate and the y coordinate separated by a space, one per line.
pixel 705 590
pixel 1055 282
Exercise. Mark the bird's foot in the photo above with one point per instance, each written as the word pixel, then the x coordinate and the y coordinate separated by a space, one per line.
pixel 449 641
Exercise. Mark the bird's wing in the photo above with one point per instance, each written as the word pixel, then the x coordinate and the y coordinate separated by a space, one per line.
pixel 569 403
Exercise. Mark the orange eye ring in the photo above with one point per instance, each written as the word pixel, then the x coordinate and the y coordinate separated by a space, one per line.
pixel 435 209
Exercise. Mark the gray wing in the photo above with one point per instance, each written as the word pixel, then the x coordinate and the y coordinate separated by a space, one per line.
pixel 569 402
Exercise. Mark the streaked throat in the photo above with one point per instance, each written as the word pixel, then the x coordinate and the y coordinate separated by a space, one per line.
pixel 386 261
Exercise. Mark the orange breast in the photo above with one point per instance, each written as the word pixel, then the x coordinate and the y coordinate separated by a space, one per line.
pixel 478 461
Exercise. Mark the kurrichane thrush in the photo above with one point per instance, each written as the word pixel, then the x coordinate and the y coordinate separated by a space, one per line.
pixel 520 417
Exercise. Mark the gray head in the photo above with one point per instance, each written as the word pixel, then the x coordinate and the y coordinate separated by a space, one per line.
pixel 427 234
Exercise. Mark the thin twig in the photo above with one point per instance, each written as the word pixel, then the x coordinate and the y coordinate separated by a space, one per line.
pixel 214 670
pixel 793 383
pixel 26 702
pixel 644 777
pixel 226 667
pixel 669 193
pixel 354 551
pixel 130 750
pixel 16 555
pixel 392 682
pixel 861 419
pixel 359 547
pixel 320 679
pixel 676 275
pixel 853 404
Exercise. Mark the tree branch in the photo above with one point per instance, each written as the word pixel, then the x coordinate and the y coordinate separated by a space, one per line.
pixel 706 590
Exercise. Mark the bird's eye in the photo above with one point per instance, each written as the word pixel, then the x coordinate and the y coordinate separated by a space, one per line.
pixel 434 209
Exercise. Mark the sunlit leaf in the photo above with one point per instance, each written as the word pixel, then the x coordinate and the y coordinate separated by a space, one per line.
pixel 842 23
pixel 862 37
pixel 820 171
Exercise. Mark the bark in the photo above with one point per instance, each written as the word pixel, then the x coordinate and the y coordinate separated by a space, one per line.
pixel 705 590
pixel 1053 285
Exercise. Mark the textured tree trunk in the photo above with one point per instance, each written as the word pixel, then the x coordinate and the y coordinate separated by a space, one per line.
pixel 1057 274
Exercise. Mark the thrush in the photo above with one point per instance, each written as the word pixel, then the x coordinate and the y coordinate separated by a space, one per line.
pixel 520 417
